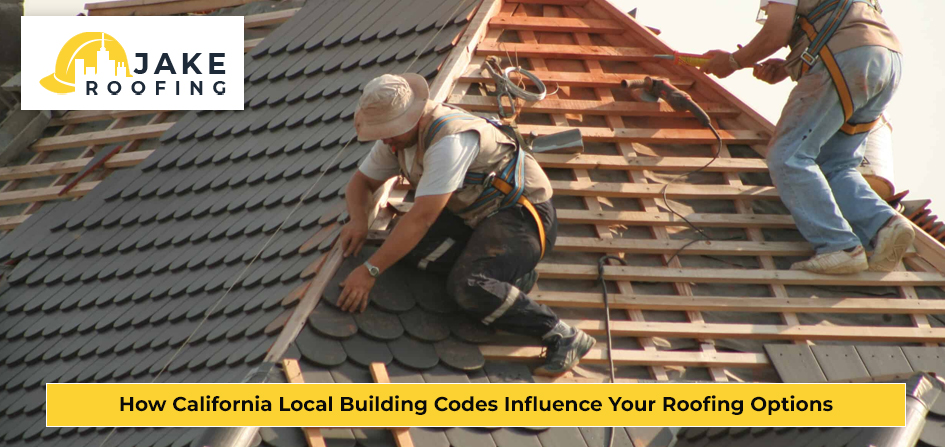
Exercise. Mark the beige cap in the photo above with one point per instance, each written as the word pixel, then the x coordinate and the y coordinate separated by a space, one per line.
pixel 390 106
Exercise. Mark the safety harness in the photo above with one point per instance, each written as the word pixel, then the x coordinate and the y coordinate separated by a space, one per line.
pixel 509 182
pixel 818 50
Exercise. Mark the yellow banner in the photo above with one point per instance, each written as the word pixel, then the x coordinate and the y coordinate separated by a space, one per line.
pixel 474 405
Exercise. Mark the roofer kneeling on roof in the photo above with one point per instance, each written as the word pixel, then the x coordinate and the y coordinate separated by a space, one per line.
pixel 847 65
pixel 482 213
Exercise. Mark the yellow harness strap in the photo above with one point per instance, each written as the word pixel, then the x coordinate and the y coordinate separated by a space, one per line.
pixel 506 188
pixel 846 100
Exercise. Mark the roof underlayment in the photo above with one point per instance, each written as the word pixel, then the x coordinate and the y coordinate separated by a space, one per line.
pixel 108 287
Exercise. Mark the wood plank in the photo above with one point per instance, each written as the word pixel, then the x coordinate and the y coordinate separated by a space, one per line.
pixel 551 2
pixel 574 79
pixel 100 137
pixel 643 218
pixel 69 166
pixel 598 356
pixel 618 108
pixel 588 52
pixel 268 18
pixel 655 136
pixel 9 223
pixel 853 305
pixel 740 276
pixel 158 7
pixel 88 116
pixel 653 191
pixel 762 331
pixel 930 249
pixel 668 164
pixel 44 194
pixel 313 436
pixel 401 435
pixel 459 57
pixel 250 44
pixel 670 246
pixel 557 24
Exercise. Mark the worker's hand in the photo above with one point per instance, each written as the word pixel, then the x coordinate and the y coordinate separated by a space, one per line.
pixel 353 236
pixel 355 290
pixel 720 65
pixel 771 71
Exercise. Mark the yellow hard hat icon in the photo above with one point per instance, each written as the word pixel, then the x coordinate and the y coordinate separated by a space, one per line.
pixel 85 46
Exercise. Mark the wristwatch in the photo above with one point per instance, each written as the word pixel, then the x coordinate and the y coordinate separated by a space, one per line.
pixel 734 63
pixel 373 270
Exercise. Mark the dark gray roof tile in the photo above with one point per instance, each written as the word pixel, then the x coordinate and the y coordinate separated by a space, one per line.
pixel 469 437
pixel 365 351
pixel 926 359
pixel 330 321
pixel 840 362
pixel 378 324
pixel 320 350
pixel 883 360
pixel 413 353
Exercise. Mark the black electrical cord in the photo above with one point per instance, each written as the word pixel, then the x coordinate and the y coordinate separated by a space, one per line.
pixel 715 156
pixel 610 352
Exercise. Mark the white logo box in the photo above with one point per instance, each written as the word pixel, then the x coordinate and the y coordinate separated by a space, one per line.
pixel 165 40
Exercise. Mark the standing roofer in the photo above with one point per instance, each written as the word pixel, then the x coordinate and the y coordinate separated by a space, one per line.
pixel 847 65
pixel 482 213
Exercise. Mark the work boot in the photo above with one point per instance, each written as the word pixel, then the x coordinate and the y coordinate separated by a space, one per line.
pixel 835 263
pixel 891 243
pixel 564 347
pixel 527 282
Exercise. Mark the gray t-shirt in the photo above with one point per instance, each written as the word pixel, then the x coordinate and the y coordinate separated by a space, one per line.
pixel 444 164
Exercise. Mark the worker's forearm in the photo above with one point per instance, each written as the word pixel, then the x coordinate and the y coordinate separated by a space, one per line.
pixel 405 236
pixel 759 49
pixel 358 197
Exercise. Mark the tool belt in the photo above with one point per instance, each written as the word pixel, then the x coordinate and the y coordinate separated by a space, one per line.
pixel 818 50
pixel 509 182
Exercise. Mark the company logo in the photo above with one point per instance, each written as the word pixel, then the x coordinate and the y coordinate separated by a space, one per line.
pixel 118 63
pixel 87 54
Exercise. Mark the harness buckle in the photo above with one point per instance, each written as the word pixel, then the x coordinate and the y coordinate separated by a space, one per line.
pixel 487 181
pixel 808 58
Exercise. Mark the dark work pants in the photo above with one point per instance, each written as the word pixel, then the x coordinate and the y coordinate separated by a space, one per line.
pixel 482 263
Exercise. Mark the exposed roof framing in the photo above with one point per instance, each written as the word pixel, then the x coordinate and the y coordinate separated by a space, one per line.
pixel 586 49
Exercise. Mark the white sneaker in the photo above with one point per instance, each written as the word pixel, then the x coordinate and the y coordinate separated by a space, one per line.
pixel 892 241
pixel 835 263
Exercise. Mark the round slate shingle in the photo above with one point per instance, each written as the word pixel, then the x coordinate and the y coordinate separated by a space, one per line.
pixel 282 436
pixel 392 291
pixel 413 353
pixel 378 324
pixel 332 322
pixel 459 355
pixel 322 351
pixel 469 330
pixel 424 325
pixel 364 351
pixel 431 296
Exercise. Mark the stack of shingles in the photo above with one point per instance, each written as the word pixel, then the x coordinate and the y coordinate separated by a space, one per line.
pixel 919 212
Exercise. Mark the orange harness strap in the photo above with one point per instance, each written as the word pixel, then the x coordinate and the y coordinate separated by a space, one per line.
pixel 846 100
pixel 506 188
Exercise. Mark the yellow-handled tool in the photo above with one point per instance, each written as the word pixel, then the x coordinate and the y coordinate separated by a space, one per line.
pixel 692 60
